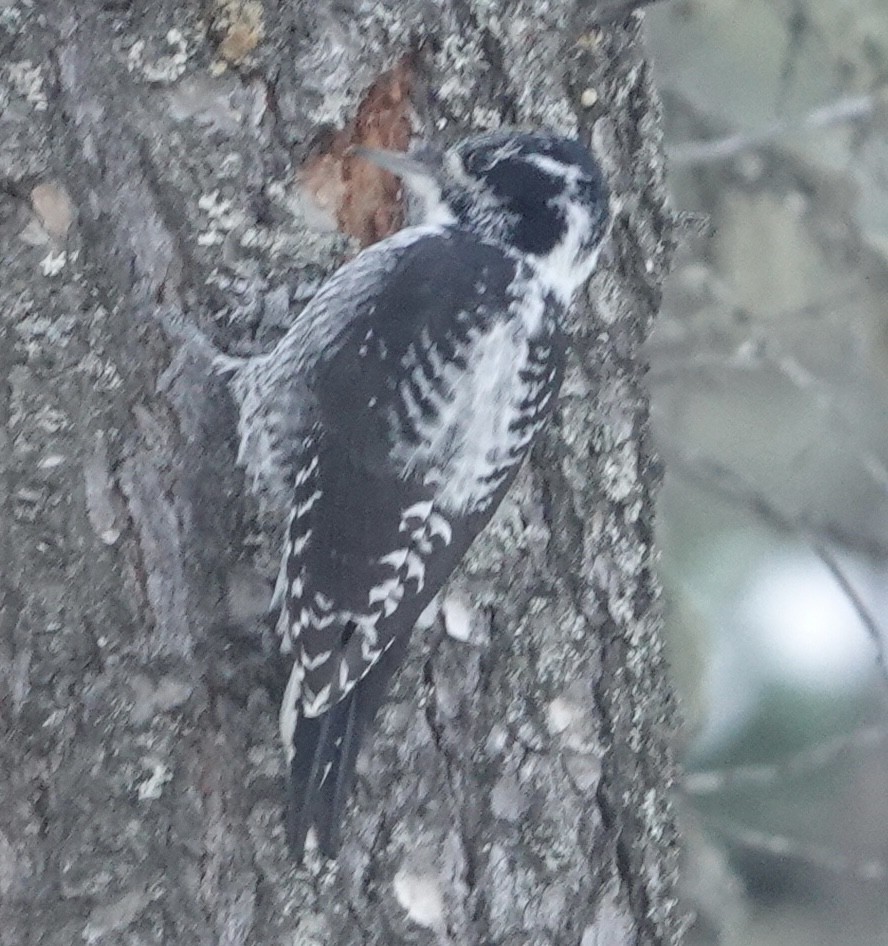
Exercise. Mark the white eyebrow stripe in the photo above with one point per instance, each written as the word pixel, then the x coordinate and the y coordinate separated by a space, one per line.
pixel 566 172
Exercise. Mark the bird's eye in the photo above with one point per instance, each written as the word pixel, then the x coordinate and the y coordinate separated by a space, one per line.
pixel 456 165
pixel 469 161
pixel 480 162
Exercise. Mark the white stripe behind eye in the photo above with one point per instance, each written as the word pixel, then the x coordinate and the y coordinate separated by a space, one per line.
pixel 566 172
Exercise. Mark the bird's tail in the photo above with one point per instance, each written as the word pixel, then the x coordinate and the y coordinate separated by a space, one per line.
pixel 325 751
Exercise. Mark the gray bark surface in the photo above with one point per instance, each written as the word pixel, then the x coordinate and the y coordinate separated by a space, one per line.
pixel 516 791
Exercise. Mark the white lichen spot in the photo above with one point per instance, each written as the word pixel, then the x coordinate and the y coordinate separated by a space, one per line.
pixel 53 263
pixel 165 68
pixel 10 18
pixel 221 218
pixel 106 918
pixel 429 614
pixel 218 210
pixel 458 59
pixel 152 787
pixel 621 472
pixel 99 489
pixel 420 896
pixel 27 80
pixel 103 373
pixel 613 924
pixel 584 771
pixel 484 117
pixel 458 618
pixel 568 718
pixel 507 800
pixel 560 714
pixel 588 98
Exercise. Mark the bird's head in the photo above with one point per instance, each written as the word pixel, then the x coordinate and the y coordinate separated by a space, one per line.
pixel 538 194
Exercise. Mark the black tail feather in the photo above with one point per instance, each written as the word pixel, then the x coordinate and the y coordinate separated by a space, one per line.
pixel 339 781
pixel 314 753
pixel 321 773
pixel 325 752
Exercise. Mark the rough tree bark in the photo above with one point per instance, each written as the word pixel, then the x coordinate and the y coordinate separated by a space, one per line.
pixel 162 154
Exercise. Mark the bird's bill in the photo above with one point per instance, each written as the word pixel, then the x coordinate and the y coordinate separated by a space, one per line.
pixel 404 166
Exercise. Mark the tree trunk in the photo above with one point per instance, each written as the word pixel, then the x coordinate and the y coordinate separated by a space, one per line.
pixel 168 155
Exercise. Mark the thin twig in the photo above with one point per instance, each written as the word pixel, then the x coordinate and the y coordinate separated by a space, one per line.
pixel 844 111
pixel 731 486
pixel 759 352
pixel 714 781
pixel 610 11
pixel 782 846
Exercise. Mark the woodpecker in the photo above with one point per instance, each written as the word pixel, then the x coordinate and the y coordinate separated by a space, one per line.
pixel 395 413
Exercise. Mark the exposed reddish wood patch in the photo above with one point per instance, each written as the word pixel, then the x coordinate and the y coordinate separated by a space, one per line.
pixel 363 199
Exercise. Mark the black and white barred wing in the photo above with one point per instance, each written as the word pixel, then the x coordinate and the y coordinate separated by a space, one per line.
pixel 424 412
pixel 373 536
pixel 275 391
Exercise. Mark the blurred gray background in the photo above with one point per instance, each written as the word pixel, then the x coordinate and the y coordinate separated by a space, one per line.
pixel 769 375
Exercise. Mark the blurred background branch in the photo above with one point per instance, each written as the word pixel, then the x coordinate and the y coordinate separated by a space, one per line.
pixel 769 378
pixel 852 109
